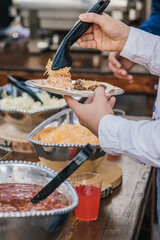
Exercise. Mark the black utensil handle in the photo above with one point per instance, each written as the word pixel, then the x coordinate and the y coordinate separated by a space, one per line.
pixel 23 88
pixel 62 57
pixel 15 83
pixel 81 27
pixel 21 79
pixel 64 174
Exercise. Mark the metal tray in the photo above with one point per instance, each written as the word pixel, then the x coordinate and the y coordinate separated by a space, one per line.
pixel 60 152
pixel 33 225
pixel 22 119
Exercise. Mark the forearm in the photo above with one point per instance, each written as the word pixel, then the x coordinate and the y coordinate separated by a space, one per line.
pixel 138 140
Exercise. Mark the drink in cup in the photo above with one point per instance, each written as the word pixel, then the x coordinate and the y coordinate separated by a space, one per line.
pixel 88 187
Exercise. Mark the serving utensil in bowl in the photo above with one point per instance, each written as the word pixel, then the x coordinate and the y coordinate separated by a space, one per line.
pixel 24 88
pixel 76 162
pixel 34 225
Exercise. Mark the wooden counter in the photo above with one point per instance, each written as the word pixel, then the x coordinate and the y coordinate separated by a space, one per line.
pixel 122 213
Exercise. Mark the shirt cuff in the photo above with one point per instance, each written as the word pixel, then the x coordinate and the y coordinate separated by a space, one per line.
pixel 114 136
pixel 108 133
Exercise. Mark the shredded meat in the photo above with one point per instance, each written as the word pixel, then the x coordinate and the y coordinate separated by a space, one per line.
pixel 81 84
pixel 59 78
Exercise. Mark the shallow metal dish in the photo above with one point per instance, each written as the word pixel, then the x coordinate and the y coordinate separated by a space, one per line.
pixel 33 225
pixel 53 155
pixel 22 119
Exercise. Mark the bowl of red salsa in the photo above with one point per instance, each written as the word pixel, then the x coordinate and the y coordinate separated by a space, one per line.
pixel 19 218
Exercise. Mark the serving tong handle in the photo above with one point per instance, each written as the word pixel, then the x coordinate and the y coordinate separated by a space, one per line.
pixel 76 162
pixel 62 57
pixel 23 88
pixel 81 27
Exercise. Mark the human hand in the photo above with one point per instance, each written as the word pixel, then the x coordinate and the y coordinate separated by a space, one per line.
pixel 105 34
pixel 93 110
pixel 120 66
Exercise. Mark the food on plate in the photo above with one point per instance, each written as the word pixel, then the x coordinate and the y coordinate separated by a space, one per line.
pixel 25 102
pixel 15 197
pixel 81 84
pixel 59 78
pixel 66 134
pixel 62 79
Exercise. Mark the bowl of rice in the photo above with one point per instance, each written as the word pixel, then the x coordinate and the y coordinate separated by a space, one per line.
pixel 20 110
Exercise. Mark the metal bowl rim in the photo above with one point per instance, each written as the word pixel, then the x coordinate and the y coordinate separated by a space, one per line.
pixel 45 123
pixel 41 213
pixel 31 112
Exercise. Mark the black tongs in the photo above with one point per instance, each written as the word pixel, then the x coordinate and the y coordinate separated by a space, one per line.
pixel 23 88
pixel 62 58
pixel 81 157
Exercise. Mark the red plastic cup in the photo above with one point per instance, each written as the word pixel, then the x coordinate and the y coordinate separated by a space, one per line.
pixel 88 187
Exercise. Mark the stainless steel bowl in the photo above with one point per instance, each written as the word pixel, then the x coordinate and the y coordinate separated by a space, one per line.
pixel 56 156
pixel 24 120
pixel 33 225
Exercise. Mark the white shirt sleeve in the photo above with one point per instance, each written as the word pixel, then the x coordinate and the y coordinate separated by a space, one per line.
pixel 139 140
pixel 143 48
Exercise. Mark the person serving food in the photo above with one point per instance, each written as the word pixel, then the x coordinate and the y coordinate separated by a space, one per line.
pixel 139 140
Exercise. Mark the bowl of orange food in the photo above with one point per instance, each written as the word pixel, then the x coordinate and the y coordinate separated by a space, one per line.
pixel 59 138
pixel 21 219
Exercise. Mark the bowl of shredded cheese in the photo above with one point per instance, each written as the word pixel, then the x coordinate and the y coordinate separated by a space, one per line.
pixel 59 138
pixel 20 110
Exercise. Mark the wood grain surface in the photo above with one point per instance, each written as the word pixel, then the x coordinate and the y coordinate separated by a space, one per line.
pixel 110 172
pixel 121 213
pixel 12 138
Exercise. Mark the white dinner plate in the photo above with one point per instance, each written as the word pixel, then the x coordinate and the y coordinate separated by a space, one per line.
pixel 110 89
